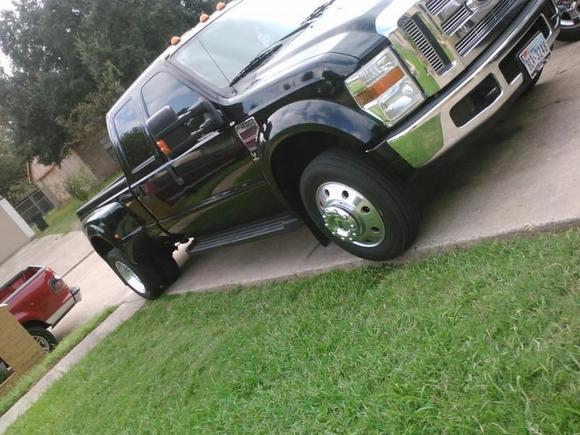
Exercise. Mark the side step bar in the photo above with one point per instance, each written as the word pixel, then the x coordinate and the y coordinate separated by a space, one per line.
pixel 256 230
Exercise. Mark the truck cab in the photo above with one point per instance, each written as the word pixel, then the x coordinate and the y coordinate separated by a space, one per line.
pixel 271 114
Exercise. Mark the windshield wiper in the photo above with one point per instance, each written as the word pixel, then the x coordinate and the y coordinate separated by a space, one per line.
pixel 317 12
pixel 270 51
pixel 256 62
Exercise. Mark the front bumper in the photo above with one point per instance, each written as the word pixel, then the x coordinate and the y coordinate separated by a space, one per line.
pixel 484 88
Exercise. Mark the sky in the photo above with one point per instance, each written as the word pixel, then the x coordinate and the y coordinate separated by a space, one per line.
pixel 5 4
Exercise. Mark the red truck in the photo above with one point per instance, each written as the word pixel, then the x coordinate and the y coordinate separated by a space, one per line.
pixel 38 298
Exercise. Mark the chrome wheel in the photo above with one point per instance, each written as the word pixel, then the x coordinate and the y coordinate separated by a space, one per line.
pixel 570 14
pixel 349 215
pixel 43 342
pixel 130 277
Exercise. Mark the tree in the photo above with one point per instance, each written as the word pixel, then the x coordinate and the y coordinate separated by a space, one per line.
pixel 196 7
pixel 49 78
pixel 73 58
pixel 12 166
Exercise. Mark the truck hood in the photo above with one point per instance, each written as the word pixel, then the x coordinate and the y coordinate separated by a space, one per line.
pixel 347 27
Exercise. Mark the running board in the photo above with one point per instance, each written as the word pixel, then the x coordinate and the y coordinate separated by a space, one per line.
pixel 257 230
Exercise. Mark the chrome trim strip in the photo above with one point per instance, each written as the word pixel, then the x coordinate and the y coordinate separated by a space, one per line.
pixel 61 312
pixel 450 133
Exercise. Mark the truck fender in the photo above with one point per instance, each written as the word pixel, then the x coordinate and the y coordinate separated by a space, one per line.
pixel 315 116
pixel 319 116
pixel 350 127
pixel 115 226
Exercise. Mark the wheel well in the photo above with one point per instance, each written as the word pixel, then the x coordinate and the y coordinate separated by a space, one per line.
pixel 101 246
pixel 38 323
pixel 291 158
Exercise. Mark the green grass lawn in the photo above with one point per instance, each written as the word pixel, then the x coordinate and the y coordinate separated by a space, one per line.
pixel 483 340
pixel 33 376
pixel 63 220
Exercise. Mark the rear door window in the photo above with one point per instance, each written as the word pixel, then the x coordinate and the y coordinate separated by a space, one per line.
pixel 165 90
pixel 134 143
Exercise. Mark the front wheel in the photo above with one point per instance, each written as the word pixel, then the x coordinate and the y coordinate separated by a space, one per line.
pixel 569 21
pixel 363 210
pixel 143 279
pixel 43 337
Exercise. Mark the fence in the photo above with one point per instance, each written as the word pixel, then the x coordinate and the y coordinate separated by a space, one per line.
pixel 19 352
pixel 34 205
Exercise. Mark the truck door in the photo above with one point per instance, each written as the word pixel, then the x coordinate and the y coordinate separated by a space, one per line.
pixel 210 186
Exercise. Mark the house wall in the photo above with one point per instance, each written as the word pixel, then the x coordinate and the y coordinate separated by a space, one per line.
pixel 94 154
pixel 14 232
pixel 53 179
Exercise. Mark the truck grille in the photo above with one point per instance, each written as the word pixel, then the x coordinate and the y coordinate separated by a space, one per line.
pixel 436 6
pixel 426 44
pixel 456 20
pixel 444 30
pixel 484 27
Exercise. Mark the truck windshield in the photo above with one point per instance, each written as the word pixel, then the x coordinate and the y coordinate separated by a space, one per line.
pixel 225 47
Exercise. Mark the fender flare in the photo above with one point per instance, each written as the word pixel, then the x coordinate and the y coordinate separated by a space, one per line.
pixel 316 116
pixel 116 225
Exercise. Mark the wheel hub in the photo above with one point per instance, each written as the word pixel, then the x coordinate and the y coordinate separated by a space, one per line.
pixel 341 223
pixel 43 342
pixel 570 13
pixel 349 215
pixel 130 277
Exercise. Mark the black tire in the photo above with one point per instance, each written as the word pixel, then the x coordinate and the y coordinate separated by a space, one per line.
pixel 569 23
pixel 149 283
pixel 168 268
pixel 387 198
pixel 569 34
pixel 43 337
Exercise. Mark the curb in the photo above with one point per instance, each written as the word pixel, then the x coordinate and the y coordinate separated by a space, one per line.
pixel 111 323
pixel 412 256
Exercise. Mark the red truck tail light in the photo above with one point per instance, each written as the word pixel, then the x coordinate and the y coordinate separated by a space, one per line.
pixel 57 284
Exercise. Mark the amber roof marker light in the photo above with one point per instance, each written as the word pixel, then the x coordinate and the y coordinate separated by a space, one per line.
pixel 175 40
pixel 220 6
pixel 203 18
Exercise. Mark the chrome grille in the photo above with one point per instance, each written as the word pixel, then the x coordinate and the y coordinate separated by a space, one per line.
pixel 484 27
pixel 425 46
pixel 436 6
pixel 456 20
pixel 446 36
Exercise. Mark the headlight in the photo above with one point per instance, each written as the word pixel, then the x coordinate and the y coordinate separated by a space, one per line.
pixel 384 89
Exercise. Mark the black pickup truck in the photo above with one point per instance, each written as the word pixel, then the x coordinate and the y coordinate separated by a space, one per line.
pixel 270 113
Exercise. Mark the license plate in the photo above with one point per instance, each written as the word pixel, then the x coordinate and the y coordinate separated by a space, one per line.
pixel 535 55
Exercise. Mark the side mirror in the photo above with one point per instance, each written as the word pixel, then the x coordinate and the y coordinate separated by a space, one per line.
pixel 171 131
pixel 162 121
pixel 166 129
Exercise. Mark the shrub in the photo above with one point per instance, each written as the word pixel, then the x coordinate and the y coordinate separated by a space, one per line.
pixel 79 185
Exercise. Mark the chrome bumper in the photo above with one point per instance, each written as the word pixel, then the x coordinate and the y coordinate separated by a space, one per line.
pixel 76 294
pixel 433 132
pixel 75 298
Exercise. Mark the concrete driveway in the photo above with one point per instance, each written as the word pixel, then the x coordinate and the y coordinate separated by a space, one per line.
pixel 73 258
pixel 522 175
